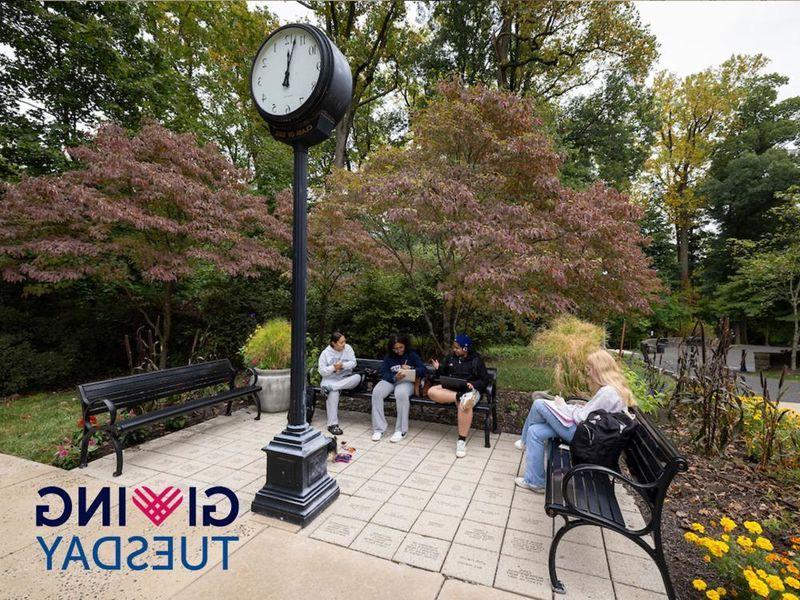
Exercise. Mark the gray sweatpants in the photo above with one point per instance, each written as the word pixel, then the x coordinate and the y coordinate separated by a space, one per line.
pixel 332 402
pixel 402 394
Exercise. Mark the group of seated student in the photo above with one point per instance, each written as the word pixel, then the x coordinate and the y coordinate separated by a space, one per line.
pixel 550 419
pixel 463 368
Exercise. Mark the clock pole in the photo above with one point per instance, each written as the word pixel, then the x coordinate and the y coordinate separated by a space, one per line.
pixel 298 487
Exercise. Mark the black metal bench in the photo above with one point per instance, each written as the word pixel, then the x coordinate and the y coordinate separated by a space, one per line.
pixel 370 370
pixel 121 393
pixel 585 494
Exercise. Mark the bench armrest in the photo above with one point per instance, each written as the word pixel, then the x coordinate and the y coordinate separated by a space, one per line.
pixel 639 487
pixel 253 375
pixel 112 410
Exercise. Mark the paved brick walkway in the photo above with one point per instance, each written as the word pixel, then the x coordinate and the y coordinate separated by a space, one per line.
pixel 460 523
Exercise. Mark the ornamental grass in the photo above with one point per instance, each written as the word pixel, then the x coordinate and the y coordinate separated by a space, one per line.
pixel 564 345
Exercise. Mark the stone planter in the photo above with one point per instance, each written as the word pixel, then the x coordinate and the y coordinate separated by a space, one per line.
pixel 274 394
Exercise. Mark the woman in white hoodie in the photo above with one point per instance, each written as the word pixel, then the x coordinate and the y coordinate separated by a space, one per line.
pixel 336 364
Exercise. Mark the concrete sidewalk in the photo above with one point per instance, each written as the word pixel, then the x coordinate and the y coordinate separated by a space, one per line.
pixel 412 520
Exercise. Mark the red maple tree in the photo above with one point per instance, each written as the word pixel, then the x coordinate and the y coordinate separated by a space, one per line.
pixel 475 200
pixel 145 210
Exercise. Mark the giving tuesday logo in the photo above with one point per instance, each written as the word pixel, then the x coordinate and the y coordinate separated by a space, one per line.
pixel 203 510
pixel 157 506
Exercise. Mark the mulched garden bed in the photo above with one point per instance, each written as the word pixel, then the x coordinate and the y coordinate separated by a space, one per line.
pixel 721 486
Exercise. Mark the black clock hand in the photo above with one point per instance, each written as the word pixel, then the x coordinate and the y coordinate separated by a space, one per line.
pixel 288 62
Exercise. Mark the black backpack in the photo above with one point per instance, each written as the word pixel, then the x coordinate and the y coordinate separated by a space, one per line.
pixel 601 438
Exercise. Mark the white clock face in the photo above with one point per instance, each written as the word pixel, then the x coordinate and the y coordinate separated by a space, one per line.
pixel 286 71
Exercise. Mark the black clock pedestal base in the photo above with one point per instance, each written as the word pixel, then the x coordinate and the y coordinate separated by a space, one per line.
pixel 298 486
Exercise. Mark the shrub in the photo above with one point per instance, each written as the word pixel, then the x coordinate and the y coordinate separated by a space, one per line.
pixel 564 346
pixel 270 346
pixel 745 561
pixel 648 400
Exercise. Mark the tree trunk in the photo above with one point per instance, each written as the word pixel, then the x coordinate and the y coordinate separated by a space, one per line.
pixel 166 328
pixel 796 339
pixel 502 44
pixel 342 134
pixel 446 324
pixel 682 235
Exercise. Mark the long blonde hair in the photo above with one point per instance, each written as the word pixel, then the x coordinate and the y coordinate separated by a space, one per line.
pixel 602 370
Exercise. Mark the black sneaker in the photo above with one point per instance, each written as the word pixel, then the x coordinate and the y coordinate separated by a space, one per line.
pixel 335 430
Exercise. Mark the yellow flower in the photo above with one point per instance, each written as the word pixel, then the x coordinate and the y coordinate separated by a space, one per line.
pixel 775 583
pixel 744 541
pixel 721 591
pixel 699 528
pixel 793 570
pixel 707 558
pixel 712 595
pixel 761 573
pixel 725 537
pixel 789 596
pixel 690 536
pixel 699 585
pixel 753 527
pixel 764 543
pixel 792 582
pixel 727 524
pixel 759 587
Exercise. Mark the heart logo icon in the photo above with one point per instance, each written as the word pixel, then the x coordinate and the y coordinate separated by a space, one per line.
pixel 157 506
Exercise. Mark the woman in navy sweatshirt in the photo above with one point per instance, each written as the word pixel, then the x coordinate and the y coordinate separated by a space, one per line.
pixel 399 359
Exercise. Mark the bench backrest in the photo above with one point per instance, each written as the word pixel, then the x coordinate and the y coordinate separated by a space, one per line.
pixel 134 389
pixel 372 364
pixel 651 458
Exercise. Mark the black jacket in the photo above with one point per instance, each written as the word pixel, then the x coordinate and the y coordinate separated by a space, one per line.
pixel 470 367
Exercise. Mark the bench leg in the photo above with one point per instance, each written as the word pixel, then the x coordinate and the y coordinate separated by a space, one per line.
pixel 486 431
pixel 661 563
pixel 258 407
pixel 118 451
pixel 228 408
pixel 85 449
pixel 311 404
pixel 494 417
pixel 557 586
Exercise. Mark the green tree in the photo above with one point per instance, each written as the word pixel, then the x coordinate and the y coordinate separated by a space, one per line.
pixel 751 167
pixel 376 42
pixel 209 47
pixel 540 48
pixel 694 114
pixel 609 133
pixel 69 67
pixel 769 273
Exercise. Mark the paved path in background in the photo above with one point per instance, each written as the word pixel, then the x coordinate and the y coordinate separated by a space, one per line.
pixel 791 395
pixel 412 521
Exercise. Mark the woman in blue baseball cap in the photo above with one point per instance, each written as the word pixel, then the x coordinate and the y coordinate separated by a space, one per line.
pixel 468 379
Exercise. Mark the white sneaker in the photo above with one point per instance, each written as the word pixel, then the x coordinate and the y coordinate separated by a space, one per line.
pixel 470 399
pixel 461 448
pixel 520 481
pixel 376 436
pixel 396 436
pixel 519 445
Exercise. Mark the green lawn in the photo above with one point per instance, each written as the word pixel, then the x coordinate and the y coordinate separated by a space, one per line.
pixel 516 370
pixel 31 426
pixel 776 374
